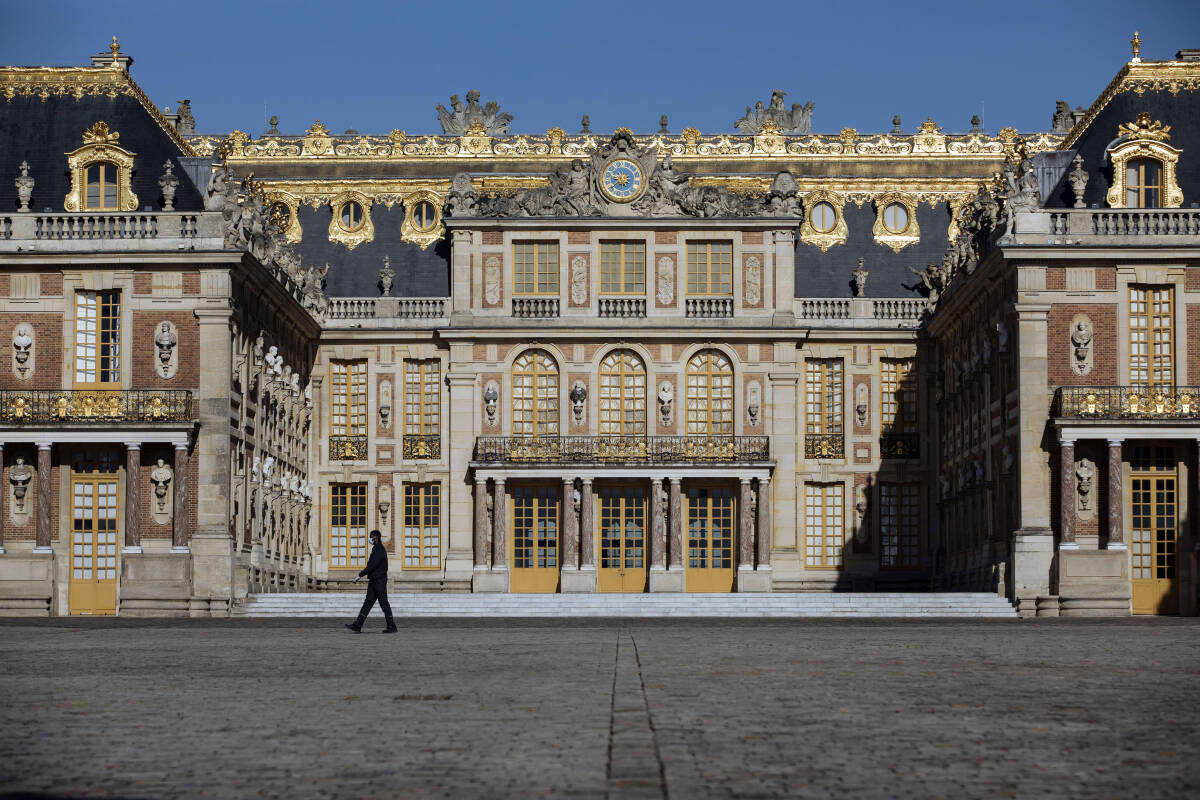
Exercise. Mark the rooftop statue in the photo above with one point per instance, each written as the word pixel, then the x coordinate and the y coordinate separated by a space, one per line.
pixel 458 120
pixel 796 120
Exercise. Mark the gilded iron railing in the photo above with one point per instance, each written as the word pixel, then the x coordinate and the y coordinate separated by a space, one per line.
pixel 622 449
pixel 347 448
pixel 900 445
pixel 1128 402
pixel 824 445
pixel 418 446
pixel 19 406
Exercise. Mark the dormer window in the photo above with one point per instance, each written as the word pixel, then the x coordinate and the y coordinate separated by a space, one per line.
pixel 101 187
pixel 1143 183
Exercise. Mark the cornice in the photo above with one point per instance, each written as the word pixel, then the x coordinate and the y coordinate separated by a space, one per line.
pixel 1139 77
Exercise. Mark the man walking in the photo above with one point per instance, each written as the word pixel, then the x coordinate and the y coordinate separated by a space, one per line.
pixel 376 574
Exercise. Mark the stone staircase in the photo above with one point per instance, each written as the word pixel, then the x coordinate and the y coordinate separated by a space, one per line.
pixel 777 604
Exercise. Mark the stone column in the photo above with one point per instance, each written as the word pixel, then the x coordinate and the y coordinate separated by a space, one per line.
pixel 745 527
pixel 133 497
pixel 179 515
pixel 499 528
pixel 1116 496
pixel 458 441
pixel 481 526
pixel 570 537
pixel 658 528
pixel 785 277
pixel 587 539
pixel 764 523
pixel 460 273
pixel 43 532
pixel 675 513
pixel 1066 494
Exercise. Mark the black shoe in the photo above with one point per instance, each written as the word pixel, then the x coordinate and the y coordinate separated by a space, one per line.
pixel 389 629
pixel 353 627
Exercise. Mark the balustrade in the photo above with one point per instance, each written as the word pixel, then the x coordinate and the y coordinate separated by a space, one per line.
pixel 1128 402
pixel 709 307
pixel 535 307
pixel 623 307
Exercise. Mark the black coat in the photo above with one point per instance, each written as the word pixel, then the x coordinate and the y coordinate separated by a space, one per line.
pixel 376 569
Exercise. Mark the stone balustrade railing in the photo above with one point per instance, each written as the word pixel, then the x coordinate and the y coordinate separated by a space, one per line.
pixel 387 312
pixel 623 307
pixel 93 231
pixel 709 307
pixel 903 308
pixel 1178 224
pixel 822 308
pixel 535 307
pixel 860 312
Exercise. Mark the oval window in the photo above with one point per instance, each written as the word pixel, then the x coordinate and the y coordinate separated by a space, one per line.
pixel 424 216
pixel 895 218
pixel 352 215
pixel 823 217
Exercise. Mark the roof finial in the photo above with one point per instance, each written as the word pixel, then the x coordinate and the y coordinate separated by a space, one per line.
pixel 1137 46
pixel 115 48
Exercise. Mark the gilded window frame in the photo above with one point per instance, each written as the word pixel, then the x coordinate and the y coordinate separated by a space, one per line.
pixel 410 231
pixel 1145 139
pixel 824 239
pixel 338 233
pixel 100 147
pixel 897 241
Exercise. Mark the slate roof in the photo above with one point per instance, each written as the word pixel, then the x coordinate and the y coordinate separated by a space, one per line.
pixel 42 132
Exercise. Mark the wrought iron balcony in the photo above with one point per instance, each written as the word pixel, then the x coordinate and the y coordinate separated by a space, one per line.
pixel 20 407
pixel 1127 402
pixel 824 445
pixel 347 448
pixel 420 446
pixel 621 449
pixel 900 445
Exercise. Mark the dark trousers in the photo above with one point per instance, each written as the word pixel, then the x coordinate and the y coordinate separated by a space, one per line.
pixel 376 590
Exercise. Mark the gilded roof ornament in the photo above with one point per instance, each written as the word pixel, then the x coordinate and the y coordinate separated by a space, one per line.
pixel 459 120
pixel 1136 42
pixel 99 134
pixel 1143 128
pixel 116 50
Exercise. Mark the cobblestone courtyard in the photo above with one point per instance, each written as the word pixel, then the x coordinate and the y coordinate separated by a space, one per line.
pixel 683 709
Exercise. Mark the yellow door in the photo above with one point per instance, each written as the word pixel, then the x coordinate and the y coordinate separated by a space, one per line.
pixel 534 543
pixel 622 539
pixel 710 539
pixel 93 588
pixel 1155 585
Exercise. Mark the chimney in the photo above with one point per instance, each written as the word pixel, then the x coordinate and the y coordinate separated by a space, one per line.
pixel 114 54
pixel 1191 54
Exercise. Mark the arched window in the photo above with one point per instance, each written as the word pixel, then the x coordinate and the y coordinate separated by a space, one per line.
pixel 709 395
pixel 101 187
pixel 534 395
pixel 1143 183
pixel 622 394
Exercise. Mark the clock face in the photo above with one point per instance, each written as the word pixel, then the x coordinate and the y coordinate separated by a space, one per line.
pixel 622 180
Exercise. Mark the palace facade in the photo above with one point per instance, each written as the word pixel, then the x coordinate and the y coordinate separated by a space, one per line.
pixel 761 361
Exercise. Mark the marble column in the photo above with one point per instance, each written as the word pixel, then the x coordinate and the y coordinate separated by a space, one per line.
pixel 570 540
pixel 587 540
pixel 675 513
pixel 658 528
pixel 481 524
pixel 1066 494
pixel 764 523
pixel 133 497
pixel 499 527
pixel 179 510
pixel 1116 496
pixel 43 532
pixel 745 527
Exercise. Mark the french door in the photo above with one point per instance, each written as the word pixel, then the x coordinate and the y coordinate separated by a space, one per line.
pixel 710 539
pixel 622 539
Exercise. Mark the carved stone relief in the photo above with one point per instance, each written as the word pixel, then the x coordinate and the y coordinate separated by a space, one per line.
pixel 1081 345
pixel 666 401
pixel 862 531
pixel 862 405
pixel 160 501
pixel 491 400
pixel 666 281
pixel 385 404
pixel 578 399
pixel 1085 474
pixel 22 342
pixel 20 478
pixel 491 281
pixel 579 280
pixel 753 404
pixel 166 349
pixel 752 275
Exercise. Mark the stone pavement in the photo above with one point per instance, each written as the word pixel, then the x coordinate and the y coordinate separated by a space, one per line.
pixel 600 708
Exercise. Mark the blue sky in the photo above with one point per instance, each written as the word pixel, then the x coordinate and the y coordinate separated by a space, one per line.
pixel 375 66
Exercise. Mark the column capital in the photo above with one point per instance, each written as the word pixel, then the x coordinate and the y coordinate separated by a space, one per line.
pixel 499 479
pixel 133 445
pixel 675 478
pixel 1066 439
pixel 181 446
pixel 745 480
pixel 44 445
pixel 481 480
pixel 587 479
pixel 1119 442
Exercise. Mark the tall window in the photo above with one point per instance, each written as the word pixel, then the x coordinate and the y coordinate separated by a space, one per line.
pixel 825 528
pixel 622 394
pixel 422 382
pixel 98 338
pixel 824 392
pixel 1151 340
pixel 349 398
pixel 623 268
pixel 710 268
pixel 535 395
pixel 898 526
pixel 101 187
pixel 709 395
pixel 422 526
pixel 1143 183
pixel 348 525
pixel 535 268
pixel 899 396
